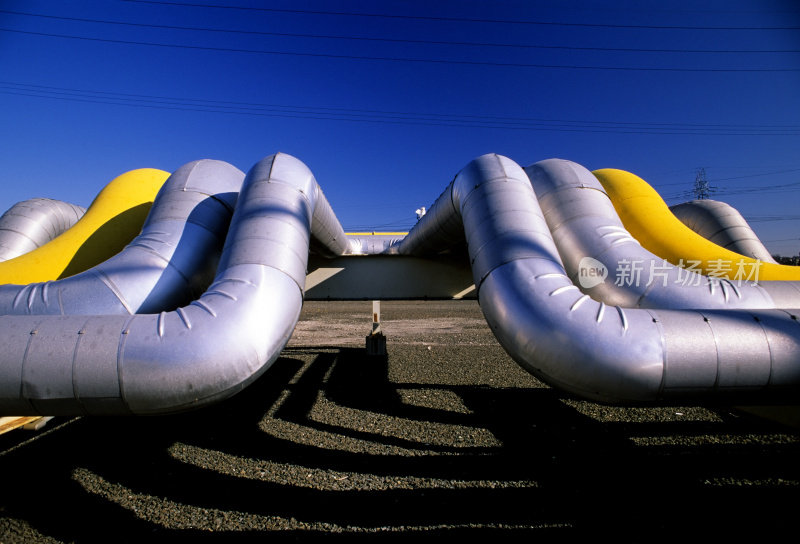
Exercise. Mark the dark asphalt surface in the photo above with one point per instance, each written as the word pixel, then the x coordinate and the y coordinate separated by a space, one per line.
pixel 444 437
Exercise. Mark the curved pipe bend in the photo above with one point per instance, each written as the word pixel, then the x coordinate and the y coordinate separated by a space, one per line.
pixel 590 236
pixel 113 219
pixel 645 214
pixel 722 224
pixel 168 264
pixel 601 352
pixel 197 354
pixel 32 223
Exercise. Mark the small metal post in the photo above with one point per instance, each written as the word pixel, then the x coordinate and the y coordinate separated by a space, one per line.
pixel 376 316
pixel 376 341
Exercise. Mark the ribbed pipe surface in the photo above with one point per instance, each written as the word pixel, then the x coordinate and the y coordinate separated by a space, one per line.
pixel 196 354
pixel 598 351
pixel 32 223
pixel 216 345
pixel 722 224
pixel 373 244
pixel 169 264
pixel 590 237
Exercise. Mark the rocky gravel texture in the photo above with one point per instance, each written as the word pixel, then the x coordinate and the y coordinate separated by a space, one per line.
pixel 444 437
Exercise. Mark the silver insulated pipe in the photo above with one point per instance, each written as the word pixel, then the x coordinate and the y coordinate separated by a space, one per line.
pixel 569 340
pixel 590 237
pixel 722 224
pixel 32 223
pixel 169 264
pixel 199 353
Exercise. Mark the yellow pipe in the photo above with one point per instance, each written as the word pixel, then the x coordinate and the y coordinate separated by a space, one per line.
pixel 648 218
pixel 113 219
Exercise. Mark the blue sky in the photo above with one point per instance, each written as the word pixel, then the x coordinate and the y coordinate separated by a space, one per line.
pixel 387 101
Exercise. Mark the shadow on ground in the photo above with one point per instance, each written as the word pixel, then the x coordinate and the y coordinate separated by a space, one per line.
pixel 328 445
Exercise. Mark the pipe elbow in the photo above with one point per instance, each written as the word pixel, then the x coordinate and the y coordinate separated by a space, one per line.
pixel 570 341
pixel 214 347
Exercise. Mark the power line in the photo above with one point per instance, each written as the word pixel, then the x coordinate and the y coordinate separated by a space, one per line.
pixel 732 178
pixel 403 59
pixel 788 187
pixel 758 175
pixel 783 188
pixel 393 112
pixel 463 19
pixel 771 218
pixel 383 116
pixel 400 40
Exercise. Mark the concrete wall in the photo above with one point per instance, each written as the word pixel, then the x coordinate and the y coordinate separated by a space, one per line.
pixel 387 277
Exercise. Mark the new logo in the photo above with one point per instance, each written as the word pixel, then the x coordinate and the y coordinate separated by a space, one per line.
pixel 591 272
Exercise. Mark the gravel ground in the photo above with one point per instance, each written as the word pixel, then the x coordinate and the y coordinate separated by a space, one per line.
pixel 444 437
